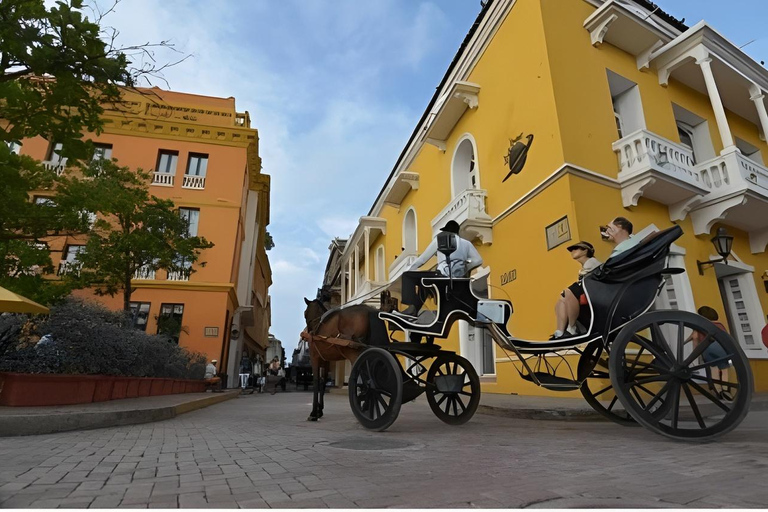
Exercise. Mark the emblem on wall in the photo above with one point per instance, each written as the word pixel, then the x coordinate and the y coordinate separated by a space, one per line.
pixel 516 154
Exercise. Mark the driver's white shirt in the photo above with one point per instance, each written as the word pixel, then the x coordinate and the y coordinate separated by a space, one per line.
pixel 463 259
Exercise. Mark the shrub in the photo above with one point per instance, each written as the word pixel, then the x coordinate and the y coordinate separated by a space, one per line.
pixel 87 338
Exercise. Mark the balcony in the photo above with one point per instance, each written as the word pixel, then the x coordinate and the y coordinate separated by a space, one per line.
pixel 162 179
pixel 653 167
pixel 144 273
pixel 738 197
pixel 68 267
pixel 55 166
pixel 178 275
pixel 402 263
pixel 193 182
pixel 468 209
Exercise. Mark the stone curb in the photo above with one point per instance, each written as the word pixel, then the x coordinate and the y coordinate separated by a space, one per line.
pixel 35 424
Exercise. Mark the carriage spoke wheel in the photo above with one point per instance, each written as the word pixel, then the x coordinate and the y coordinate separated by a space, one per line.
pixel 672 385
pixel 596 387
pixel 376 389
pixel 453 389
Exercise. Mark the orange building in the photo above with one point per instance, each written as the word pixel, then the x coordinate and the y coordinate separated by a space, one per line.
pixel 205 157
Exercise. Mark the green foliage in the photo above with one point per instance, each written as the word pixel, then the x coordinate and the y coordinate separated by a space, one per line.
pixel 134 228
pixel 58 71
pixel 86 338
pixel 269 243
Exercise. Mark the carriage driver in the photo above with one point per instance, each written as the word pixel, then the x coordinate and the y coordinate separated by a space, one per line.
pixel 463 260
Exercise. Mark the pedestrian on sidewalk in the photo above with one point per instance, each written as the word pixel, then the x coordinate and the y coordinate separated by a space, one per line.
pixel 714 352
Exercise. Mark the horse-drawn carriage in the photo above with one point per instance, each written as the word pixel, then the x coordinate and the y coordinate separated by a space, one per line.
pixel 634 365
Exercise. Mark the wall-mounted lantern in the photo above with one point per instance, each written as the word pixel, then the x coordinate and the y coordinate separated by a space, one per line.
pixel 723 243
pixel 516 155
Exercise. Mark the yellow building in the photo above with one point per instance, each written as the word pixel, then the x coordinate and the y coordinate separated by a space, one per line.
pixel 633 114
pixel 205 157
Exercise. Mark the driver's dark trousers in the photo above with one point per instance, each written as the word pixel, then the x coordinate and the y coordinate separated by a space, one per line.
pixel 413 293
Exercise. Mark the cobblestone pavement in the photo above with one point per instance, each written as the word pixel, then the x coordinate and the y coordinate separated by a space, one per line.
pixel 258 451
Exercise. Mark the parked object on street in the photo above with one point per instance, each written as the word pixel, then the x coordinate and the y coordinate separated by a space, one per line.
pixel 653 372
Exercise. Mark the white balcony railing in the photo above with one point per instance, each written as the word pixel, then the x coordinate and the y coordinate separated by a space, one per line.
pixel 468 209
pixel 163 179
pixel 402 263
pixel 738 197
pixel 731 173
pixel 144 273
pixel 69 267
pixel 193 182
pixel 178 275
pixel 656 168
pixel 57 166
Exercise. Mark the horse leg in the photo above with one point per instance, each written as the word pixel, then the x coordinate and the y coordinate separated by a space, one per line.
pixel 321 403
pixel 315 390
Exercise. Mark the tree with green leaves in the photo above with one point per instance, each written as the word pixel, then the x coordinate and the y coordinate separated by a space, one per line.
pixel 59 68
pixel 133 231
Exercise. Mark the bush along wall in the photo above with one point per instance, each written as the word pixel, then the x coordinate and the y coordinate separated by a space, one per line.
pixel 84 338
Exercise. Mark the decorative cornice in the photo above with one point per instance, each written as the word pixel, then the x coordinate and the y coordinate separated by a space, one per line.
pixel 176 130
pixel 153 284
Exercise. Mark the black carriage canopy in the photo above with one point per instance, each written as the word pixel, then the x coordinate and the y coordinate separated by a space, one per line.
pixel 627 284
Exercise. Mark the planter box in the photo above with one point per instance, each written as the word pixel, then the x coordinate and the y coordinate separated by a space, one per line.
pixel 133 388
pixel 103 390
pixel 145 386
pixel 28 389
pixel 156 388
pixel 120 388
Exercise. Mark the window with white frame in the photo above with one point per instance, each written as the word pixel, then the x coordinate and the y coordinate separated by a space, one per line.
pixel 197 164
pixel 140 314
pixel 693 132
pixel 464 171
pixel 627 106
pixel 749 151
pixel 54 153
pixel 380 270
pixel 70 263
pixel 192 217
pixel 45 201
pixel 410 234
pixel 102 152
pixel 166 162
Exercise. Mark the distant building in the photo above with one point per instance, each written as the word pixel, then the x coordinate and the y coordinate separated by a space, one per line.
pixel 205 157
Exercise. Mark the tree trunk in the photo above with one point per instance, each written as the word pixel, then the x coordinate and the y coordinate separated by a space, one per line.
pixel 127 291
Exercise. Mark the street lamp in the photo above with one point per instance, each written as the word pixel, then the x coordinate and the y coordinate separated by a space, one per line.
pixel 723 243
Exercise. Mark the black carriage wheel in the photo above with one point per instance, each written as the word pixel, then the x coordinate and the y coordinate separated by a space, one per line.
pixel 376 389
pixel 653 360
pixel 596 387
pixel 453 389
pixel 599 393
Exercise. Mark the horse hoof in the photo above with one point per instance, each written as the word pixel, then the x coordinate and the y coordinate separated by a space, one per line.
pixel 312 418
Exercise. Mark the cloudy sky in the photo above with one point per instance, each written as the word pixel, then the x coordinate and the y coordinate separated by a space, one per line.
pixel 335 88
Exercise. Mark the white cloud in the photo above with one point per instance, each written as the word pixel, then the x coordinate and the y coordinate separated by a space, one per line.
pixel 314 77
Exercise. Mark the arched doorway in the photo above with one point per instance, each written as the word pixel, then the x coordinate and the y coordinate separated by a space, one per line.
pixel 464 171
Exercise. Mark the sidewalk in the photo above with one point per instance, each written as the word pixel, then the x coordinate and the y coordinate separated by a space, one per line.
pixel 24 421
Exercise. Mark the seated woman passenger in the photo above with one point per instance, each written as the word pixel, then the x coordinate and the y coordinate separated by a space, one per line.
pixel 573 303
pixel 567 307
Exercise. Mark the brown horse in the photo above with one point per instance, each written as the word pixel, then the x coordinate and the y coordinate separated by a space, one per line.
pixel 352 323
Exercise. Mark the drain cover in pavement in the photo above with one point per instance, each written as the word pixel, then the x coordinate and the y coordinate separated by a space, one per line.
pixel 370 443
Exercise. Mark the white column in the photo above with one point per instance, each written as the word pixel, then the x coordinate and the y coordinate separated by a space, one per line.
pixel 756 95
pixel 357 268
pixel 343 278
pixel 367 252
pixel 717 105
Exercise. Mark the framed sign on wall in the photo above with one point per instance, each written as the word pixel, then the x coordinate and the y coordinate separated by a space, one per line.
pixel 558 233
